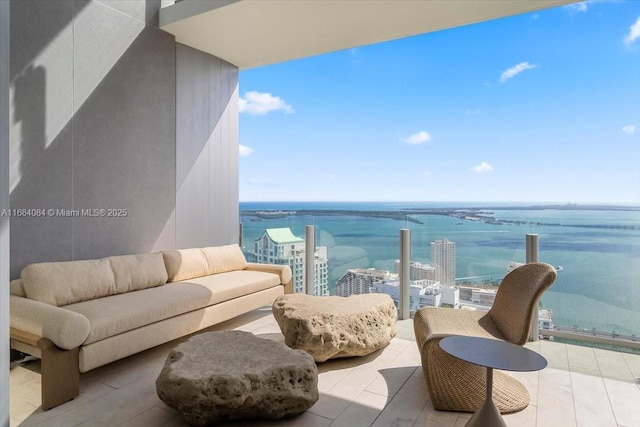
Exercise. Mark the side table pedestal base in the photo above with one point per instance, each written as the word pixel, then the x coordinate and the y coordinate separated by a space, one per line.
pixel 488 415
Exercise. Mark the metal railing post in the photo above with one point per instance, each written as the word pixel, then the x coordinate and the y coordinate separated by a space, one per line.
pixel 240 235
pixel 405 261
pixel 532 256
pixel 309 266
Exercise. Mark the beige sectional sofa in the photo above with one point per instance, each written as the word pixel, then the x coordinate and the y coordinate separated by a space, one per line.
pixel 79 315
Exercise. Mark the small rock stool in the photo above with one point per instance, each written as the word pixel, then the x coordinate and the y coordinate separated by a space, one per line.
pixel 235 375
pixel 332 327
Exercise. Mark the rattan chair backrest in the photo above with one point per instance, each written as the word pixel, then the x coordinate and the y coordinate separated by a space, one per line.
pixel 517 299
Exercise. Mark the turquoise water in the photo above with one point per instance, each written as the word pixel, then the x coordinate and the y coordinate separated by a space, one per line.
pixel 599 286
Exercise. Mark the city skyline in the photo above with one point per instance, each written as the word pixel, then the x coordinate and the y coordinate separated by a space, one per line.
pixel 540 107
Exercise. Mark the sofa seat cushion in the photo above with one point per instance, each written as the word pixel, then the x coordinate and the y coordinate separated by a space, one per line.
pixel 120 313
pixel 234 284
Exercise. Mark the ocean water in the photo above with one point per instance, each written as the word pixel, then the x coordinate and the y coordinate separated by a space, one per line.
pixel 598 287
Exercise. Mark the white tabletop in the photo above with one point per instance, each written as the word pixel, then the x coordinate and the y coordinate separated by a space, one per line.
pixel 493 353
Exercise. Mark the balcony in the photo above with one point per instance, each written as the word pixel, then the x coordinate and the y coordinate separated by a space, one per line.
pixel 580 387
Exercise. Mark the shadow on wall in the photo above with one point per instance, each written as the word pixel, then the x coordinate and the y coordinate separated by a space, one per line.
pixel 116 152
pixel 46 167
pixel 43 21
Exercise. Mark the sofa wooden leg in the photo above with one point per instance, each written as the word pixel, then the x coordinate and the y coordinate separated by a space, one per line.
pixel 60 376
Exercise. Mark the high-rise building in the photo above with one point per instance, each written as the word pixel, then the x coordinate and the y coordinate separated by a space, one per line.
pixel 280 246
pixel 418 271
pixel 358 281
pixel 422 293
pixel 443 258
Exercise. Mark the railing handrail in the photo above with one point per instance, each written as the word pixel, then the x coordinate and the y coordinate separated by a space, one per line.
pixel 587 337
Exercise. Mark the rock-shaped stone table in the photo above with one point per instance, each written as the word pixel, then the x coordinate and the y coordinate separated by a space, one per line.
pixel 332 327
pixel 234 375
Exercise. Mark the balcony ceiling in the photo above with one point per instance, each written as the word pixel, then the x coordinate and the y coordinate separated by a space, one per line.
pixel 252 33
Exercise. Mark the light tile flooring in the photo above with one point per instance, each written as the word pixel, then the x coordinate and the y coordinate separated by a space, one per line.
pixel 581 387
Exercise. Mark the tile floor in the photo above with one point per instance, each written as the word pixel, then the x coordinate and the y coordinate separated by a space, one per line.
pixel 581 387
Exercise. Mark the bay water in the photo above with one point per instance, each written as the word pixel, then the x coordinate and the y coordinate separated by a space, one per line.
pixel 598 250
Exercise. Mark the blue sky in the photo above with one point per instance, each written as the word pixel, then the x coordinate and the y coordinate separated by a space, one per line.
pixel 540 107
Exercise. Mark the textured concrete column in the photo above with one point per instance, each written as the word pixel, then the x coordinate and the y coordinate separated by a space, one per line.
pixel 532 256
pixel 4 220
pixel 405 261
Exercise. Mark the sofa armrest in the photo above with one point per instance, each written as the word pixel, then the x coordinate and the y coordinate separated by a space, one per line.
pixel 284 271
pixel 65 328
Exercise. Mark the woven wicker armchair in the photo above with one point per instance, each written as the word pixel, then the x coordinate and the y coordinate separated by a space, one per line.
pixel 455 385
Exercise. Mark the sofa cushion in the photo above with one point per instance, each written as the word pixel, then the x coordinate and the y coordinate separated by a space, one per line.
pixel 116 314
pixel 120 313
pixel 233 284
pixel 135 272
pixel 224 258
pixel 16 288
pixel 62 283
pixel 282 270
pixel 185 264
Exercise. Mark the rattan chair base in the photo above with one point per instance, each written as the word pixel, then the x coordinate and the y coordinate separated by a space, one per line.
pixel 455 385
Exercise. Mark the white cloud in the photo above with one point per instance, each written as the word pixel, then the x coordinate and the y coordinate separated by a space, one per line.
pixel 261 103
pixel 634 33
pixel 418 138
pixel 516 69
pixel 629 129
pixel 245 151
pixel 482 167
pixel 577 7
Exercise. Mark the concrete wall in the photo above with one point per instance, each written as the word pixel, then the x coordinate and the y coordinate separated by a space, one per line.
pixel 93 126
pixel 206 149
pixel 4 220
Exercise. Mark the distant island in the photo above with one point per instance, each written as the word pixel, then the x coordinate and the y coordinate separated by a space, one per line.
pixel 398 215
pixel 483 214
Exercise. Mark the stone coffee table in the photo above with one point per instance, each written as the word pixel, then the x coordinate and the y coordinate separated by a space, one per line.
pixel 234 375
pixel 332 327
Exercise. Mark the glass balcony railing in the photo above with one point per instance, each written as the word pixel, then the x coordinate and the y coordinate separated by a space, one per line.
pixel 461 255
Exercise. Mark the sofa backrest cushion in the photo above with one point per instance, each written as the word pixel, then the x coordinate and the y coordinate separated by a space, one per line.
pixel 221 259
pixel 136 272
pixel 16 288
pixel 62 283
pixel 185 264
